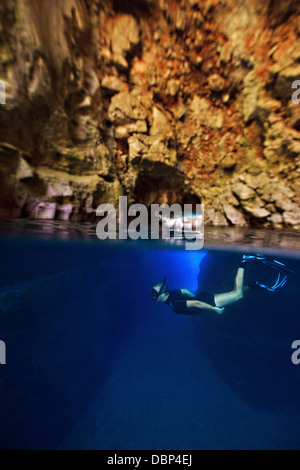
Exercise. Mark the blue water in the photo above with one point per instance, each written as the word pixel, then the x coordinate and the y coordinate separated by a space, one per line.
pixel 94 363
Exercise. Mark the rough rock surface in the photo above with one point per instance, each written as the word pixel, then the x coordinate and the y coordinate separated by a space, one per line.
pixel 163 101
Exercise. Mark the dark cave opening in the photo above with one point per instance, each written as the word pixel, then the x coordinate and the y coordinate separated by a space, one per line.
pixel 164 190
pixel 133 6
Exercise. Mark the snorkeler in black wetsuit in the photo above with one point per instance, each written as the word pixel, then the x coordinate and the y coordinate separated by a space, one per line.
pixel 185 302
pixel 179 301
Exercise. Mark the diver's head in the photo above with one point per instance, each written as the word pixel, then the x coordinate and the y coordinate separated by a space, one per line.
pixel 160 291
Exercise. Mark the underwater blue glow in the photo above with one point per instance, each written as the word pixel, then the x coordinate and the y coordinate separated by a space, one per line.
pixel 94 363
pixel 180 267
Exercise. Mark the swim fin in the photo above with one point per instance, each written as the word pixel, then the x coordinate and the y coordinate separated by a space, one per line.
pixel 281 268
pixel 272 263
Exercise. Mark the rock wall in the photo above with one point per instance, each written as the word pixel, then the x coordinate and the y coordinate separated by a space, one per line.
pixel 160 100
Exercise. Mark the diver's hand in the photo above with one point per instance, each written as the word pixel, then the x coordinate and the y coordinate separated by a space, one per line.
pixel 219 310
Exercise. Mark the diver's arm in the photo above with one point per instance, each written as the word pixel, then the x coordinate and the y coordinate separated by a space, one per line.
pixel 203 306
pixel 187 292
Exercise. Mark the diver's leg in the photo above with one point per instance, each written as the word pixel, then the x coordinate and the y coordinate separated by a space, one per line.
pixel 239 279
pixel 227 298
pixel 222 300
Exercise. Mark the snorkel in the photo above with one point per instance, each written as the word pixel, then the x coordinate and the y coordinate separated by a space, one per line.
pixel 162 290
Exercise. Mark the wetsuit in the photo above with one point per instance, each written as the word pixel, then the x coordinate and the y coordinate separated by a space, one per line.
pixel 177 301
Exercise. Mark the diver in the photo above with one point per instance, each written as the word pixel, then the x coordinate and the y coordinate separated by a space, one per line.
pixel 185 302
